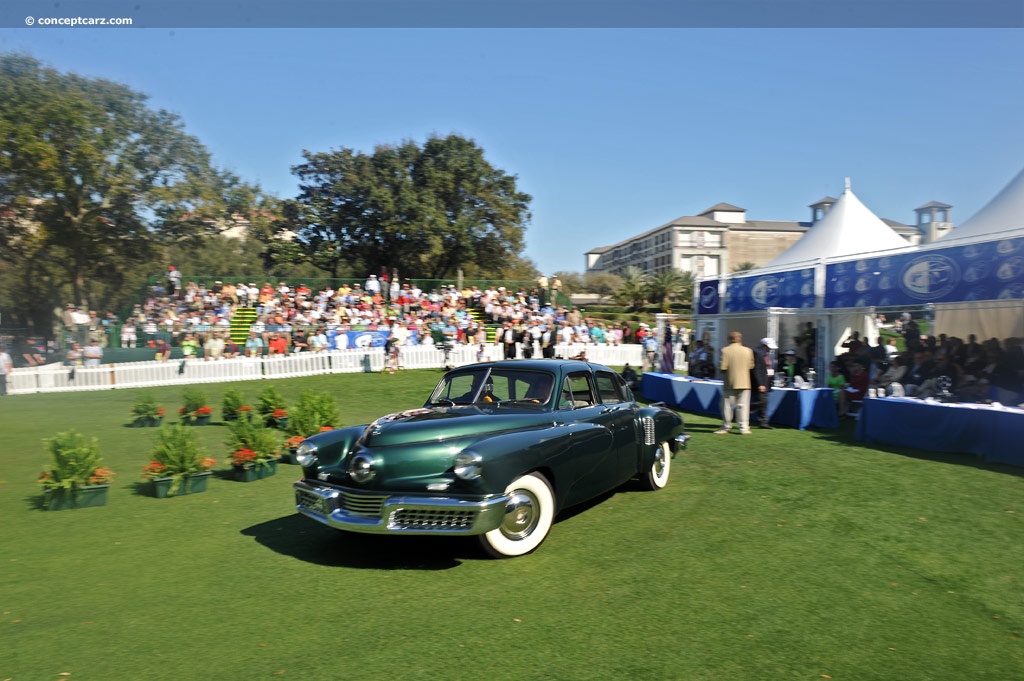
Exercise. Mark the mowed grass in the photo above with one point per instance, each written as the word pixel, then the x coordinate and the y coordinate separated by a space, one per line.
pixel 782 555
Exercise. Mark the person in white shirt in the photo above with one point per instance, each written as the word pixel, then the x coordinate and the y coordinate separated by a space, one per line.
pixel 6 367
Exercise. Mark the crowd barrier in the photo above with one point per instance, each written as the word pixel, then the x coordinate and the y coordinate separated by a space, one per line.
pixel 58 378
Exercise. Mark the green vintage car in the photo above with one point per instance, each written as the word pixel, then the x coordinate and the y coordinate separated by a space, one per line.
pixel 497 451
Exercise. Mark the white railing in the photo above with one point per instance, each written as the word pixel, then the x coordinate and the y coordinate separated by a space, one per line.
pixel 57 378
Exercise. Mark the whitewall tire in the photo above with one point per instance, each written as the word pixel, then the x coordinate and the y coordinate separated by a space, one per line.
pixel 656 477
pixel 528 518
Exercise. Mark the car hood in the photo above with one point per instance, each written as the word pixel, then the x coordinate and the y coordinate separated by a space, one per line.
pixel 448 423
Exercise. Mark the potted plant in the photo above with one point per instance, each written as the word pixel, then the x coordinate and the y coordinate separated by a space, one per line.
pixel 179 465
pixel 232 405
pixel 314 413
pixel 272 407
pixel 76 478
pixel 195 412
pixel 145 412
pixel 255 450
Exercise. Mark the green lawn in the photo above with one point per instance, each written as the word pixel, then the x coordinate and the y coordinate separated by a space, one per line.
pixel 782 555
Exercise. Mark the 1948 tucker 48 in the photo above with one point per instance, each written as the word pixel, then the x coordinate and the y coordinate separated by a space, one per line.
pixel 497 451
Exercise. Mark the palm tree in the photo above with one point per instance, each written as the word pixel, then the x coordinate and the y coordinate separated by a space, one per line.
pixel 633 290
pixel 668 286
pixel 744 266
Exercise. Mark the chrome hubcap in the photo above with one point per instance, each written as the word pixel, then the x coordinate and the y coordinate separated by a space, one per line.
pixel 520 515
pixel 660 462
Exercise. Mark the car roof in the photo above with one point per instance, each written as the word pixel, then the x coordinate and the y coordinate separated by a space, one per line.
pixel 553 365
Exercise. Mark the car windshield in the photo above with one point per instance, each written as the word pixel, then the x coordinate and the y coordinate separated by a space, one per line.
pixel 500 387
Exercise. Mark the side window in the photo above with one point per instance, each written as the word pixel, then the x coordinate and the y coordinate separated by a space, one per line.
pixel 577 391
pixel 608 388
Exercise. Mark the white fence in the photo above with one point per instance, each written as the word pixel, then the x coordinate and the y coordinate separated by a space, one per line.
pixel 57 378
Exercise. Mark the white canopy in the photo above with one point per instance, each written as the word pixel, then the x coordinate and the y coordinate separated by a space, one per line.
pixel 1001 217
pixel 849 228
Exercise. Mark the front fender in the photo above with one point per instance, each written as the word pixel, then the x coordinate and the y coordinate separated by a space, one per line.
pixel 332 446
pixel 668 425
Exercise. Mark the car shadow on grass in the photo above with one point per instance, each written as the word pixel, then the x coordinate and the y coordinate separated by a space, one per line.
pixel 301 538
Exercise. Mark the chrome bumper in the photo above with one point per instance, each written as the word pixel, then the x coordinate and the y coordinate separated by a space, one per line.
pixel 681 441
pixel 392 514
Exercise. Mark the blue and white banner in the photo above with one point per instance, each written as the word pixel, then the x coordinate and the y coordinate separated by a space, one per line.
pixel 792 289
pixel 707 297
pixel 985 271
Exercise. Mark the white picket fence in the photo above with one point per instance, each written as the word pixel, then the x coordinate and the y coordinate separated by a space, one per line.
pixel 57 378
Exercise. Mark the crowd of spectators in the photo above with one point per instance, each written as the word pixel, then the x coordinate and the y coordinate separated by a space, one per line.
pixel 193 316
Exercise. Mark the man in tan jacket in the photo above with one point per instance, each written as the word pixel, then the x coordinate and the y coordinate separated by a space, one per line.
pixel 736 364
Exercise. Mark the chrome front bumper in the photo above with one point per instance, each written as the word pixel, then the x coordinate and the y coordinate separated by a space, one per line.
pixel 345 509
pixel 681 441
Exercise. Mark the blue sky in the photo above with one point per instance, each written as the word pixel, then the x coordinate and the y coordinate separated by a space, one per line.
pixel 613 132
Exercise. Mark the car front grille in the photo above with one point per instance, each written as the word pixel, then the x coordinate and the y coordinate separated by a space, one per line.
pixel 428 519
pixel 359 504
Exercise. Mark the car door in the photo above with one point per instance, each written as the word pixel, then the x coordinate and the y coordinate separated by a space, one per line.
pixel 592 462
pixel 618 415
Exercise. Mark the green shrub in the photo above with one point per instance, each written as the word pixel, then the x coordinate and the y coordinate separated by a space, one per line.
pixel 313 412
pixel 176 455
pixel 232 401
pixel 75 462
pixel 269 401
pixel 252 442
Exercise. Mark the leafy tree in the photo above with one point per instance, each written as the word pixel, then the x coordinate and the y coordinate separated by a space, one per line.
pixel 602 284
pixel 94 183
pixel 572 282
pixel 633 290
pixel 428 211
pixel 668 286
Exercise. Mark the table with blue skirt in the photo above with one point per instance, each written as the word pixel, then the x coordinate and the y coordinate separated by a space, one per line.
pixel 800 408
pixel 994 433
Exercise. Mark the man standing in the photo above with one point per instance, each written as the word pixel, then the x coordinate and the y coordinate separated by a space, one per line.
pixel 6 367
pixel 736 364
pixel 763 377
pixel 93 353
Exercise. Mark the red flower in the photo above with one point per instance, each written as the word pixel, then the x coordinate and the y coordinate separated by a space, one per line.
pixel 181 410
pixel 243 456
pixel 326 429
pixel 294 441
pixel 204 411
pixel 154 469
pixel 208 462
pixel 160 411
pixel 245 409
pixel 102 476
pixel 280 413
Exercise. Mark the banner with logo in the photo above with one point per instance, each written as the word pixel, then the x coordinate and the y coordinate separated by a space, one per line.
pixel 707 297
pixel 792 289
pixel 985 271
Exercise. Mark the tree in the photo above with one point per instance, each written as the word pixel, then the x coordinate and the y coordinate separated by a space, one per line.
pixel 572 282
pixel 94 183
pixel 602 284
pixel 428 211
pixel 633 291
pixel 668 286
pixel 744 266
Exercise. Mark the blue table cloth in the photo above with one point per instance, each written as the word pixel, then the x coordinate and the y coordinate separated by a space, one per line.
pixel 993 433
pixel 786 406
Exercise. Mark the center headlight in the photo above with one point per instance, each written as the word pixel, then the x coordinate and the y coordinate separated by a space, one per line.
pixel 468 465
pixel 305 454
pixel 361 468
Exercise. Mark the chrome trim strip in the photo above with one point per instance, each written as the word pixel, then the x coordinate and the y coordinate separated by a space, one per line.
pixel 486 514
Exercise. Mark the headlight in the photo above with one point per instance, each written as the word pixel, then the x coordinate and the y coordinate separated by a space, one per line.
pixel 468 465
pixel 305 454
pixel 361 468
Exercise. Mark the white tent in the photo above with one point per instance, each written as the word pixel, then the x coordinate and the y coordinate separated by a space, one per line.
pixel 1001 217
pixel 847 229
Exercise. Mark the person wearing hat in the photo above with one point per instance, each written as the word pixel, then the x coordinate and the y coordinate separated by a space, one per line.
pixel 736 363
pixel 762 378
pixel 791 367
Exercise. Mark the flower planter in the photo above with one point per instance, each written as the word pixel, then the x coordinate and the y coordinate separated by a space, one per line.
pixel 148 422
pixel 289 456
pixel 255 471
pixel 192 484
pixel 81 497
pixel 199 421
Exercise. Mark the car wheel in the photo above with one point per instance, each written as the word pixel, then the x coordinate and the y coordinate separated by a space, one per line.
pixel 528 517
pixel 656 476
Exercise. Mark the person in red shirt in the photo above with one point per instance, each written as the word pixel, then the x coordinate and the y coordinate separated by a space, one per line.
pixel 856 388
pixel 278 344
